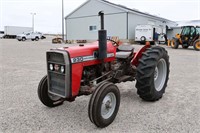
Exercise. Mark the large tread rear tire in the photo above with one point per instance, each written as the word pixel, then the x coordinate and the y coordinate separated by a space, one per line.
pixel 97 103
pixel 149 64
pixel 44 95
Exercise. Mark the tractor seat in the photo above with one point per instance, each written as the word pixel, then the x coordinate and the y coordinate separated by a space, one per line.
pixel 122 55
pixel 124 51
pixel 126 48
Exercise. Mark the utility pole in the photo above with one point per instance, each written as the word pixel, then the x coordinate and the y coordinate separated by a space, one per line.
pixel 33 14
pixel 63 20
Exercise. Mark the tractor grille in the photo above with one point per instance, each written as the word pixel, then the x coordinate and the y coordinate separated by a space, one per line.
pixel 57 84
pixel 55 57
pixel 59 76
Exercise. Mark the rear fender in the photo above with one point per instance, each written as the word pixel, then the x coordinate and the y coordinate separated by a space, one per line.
pixel 138 55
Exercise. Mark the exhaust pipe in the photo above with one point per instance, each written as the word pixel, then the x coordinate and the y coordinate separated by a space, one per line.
pixel 102 39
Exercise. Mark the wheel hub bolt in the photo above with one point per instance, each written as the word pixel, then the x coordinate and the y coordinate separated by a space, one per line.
pixel 108 104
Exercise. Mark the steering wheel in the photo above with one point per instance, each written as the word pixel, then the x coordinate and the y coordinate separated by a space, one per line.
pixel 114 42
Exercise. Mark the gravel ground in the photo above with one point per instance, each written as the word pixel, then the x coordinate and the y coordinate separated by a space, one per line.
pixel 22 65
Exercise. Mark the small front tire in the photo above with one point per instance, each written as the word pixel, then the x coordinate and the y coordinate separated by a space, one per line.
pixel 104 104
pixel 45 97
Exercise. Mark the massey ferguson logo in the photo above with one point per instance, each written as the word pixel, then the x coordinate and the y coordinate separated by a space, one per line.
pixel 56 67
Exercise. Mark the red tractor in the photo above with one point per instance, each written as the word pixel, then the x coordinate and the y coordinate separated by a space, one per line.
pixel 95 68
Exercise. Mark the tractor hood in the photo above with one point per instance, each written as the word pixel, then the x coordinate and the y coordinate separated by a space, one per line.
pixel 88 49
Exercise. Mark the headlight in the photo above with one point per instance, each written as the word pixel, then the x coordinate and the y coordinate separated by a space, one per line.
pixel 51 67
pixel 62 69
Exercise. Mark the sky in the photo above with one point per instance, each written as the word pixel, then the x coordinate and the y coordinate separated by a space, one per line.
pixel 48 18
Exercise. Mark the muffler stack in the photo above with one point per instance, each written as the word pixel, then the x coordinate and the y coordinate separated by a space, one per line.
pixel 102 39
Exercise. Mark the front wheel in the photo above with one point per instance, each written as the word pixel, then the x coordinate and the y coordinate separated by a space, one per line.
pixel 104 104
pixel 152 74
pixel 45 97
pixel 174 43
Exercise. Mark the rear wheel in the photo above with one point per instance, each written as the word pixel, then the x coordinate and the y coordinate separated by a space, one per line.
pixel 152 74
pixel 45 97
pixel 174 43
pixel 104 104
pixel 23 39
pixel 143 40
pixel 197 45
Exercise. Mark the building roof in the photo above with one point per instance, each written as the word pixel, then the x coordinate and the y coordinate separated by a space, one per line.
pixel 126 9
pixel 134 10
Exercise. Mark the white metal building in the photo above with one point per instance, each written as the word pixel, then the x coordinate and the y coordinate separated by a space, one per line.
pixel 83 23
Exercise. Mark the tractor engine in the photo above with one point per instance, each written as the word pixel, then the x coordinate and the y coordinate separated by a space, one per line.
pixel 123 70
pixel 91 73
pixel 116 69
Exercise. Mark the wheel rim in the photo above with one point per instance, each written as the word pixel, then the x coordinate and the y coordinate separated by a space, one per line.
pixel 108 105
pixel 160 74
pixel 142 38
pixel 198 45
